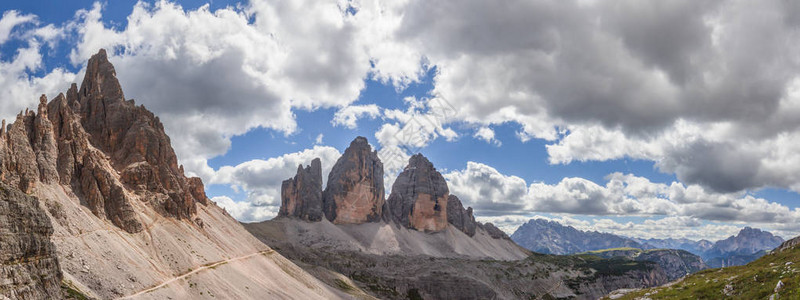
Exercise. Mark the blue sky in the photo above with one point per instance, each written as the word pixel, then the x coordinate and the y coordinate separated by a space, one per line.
pixel 613 133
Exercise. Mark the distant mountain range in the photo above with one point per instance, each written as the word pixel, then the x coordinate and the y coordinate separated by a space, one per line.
pixel 550 237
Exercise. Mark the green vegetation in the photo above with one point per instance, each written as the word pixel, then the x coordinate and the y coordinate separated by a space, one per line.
pixel 70 291
pixel 613 249
pixel 756 280
pixel 344 286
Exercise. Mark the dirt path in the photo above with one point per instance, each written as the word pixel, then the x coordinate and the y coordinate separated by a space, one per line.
pixel 204 267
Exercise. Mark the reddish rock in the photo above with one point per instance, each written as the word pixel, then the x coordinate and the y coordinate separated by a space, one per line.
pixel 44 144
pixel 301 196
pixel 198 190
pixel 134 139
pixel 355 193
pixel 109 151
pixel 419 197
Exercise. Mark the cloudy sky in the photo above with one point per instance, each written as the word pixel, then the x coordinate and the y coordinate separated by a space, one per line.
pixel 648 119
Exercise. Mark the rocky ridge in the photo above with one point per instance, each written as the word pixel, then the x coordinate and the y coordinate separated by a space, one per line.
pixel 104 147
pixel 746 246
pixel 28 261
pixel 675 263
pixel 550 237
pixel 420 199
pixel 124 216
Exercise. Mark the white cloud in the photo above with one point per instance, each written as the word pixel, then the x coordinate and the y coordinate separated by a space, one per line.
pixel 602 82
pixel 11 19
pixel 19 89
pixel 318 140
pixel 246 211
pixel 233 68
pixel 261 179
pixel 348 116
pixel 487 134
pixel 492 193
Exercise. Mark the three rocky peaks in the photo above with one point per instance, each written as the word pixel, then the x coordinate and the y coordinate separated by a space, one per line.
pixel 107 149
pixel 419 200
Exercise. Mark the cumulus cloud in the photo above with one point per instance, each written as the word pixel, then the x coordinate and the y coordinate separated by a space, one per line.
pixel 492 193
pixel 18 88
pixel 349 115
pixel 636 71
pixel 486 134
pixel 235 68
pixel 261 180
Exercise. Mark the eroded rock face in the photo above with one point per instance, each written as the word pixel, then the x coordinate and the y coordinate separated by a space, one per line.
pixel 355 192
pixel 134 139
pixel 301 196
pixel 459 217
pixel 493 231
pixel 106 149
pixel 419 197
pixel 28 262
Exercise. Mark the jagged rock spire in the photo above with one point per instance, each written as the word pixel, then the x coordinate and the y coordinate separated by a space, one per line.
pixel 106 149
pixel 419 197
pixel 301 196
pixel 355 192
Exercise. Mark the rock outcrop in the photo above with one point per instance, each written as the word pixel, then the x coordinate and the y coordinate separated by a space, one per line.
pixel 110 152
pixel 29 266
pixel 301 196
pixel 459 217
pixel 493 231
pixel 355 193
pixel 419 197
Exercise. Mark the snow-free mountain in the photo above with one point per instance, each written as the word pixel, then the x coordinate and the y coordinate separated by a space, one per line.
pixel 545 236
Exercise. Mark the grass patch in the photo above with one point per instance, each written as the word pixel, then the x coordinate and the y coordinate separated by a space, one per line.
pixel 70 291
pixel 756 280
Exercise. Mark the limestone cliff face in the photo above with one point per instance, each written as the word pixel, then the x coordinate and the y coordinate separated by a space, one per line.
pixel 459 217
pixel 419 197
pixel 355 192
pixel 301 196
pixel 105 149
pixel 28 261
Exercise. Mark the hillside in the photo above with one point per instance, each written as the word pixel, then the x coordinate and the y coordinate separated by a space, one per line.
pixel 676 263
pixel 421 242
pixel 772 274
pixel 126 221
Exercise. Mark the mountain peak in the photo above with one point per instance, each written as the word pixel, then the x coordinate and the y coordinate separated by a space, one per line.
pixel 101 79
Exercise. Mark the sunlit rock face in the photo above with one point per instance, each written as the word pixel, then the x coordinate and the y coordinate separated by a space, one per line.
pixel 111 153
pixel 301 196
pixel 419 197
pixel 355 193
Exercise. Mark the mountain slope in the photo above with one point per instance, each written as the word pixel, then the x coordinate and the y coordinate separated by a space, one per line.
pixel 676 263
pixel 550 237
pixel 695 247
pixel 425 245
pixel 772 274
pixel 126 220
